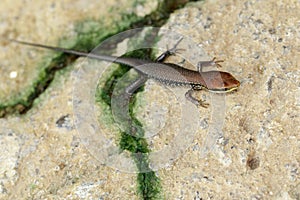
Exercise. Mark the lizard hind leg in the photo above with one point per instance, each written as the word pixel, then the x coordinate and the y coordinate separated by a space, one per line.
pixel 136 84
pixel 120 103
pixel 169 52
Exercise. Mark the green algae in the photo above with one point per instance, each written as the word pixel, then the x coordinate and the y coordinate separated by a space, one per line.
pixel 148 184
pixel 88 34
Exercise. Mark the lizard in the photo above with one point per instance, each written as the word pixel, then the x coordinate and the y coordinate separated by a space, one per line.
pixel 167 73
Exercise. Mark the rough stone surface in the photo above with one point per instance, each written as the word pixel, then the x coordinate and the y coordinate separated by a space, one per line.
pixel 42 156
pixel 258 156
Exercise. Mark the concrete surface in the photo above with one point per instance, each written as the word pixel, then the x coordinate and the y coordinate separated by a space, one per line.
pixel 258 156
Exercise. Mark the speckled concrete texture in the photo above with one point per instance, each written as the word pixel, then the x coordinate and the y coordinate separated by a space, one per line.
pixel 42 156
pixel 258 156
pixel 43 22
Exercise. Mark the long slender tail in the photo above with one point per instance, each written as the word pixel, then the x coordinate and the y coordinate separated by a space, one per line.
pixel 69 51
pixel 132 62
pixel 79 53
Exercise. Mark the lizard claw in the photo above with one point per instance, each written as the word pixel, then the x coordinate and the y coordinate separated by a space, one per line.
pixel 216 62
pixel 212 62
pixel 169 52
pixel 174 49
pixel 203 104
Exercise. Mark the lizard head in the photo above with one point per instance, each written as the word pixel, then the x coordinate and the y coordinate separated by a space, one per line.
pixel 218 81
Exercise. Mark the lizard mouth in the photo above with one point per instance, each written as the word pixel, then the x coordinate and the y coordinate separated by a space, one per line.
pixel 224 89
